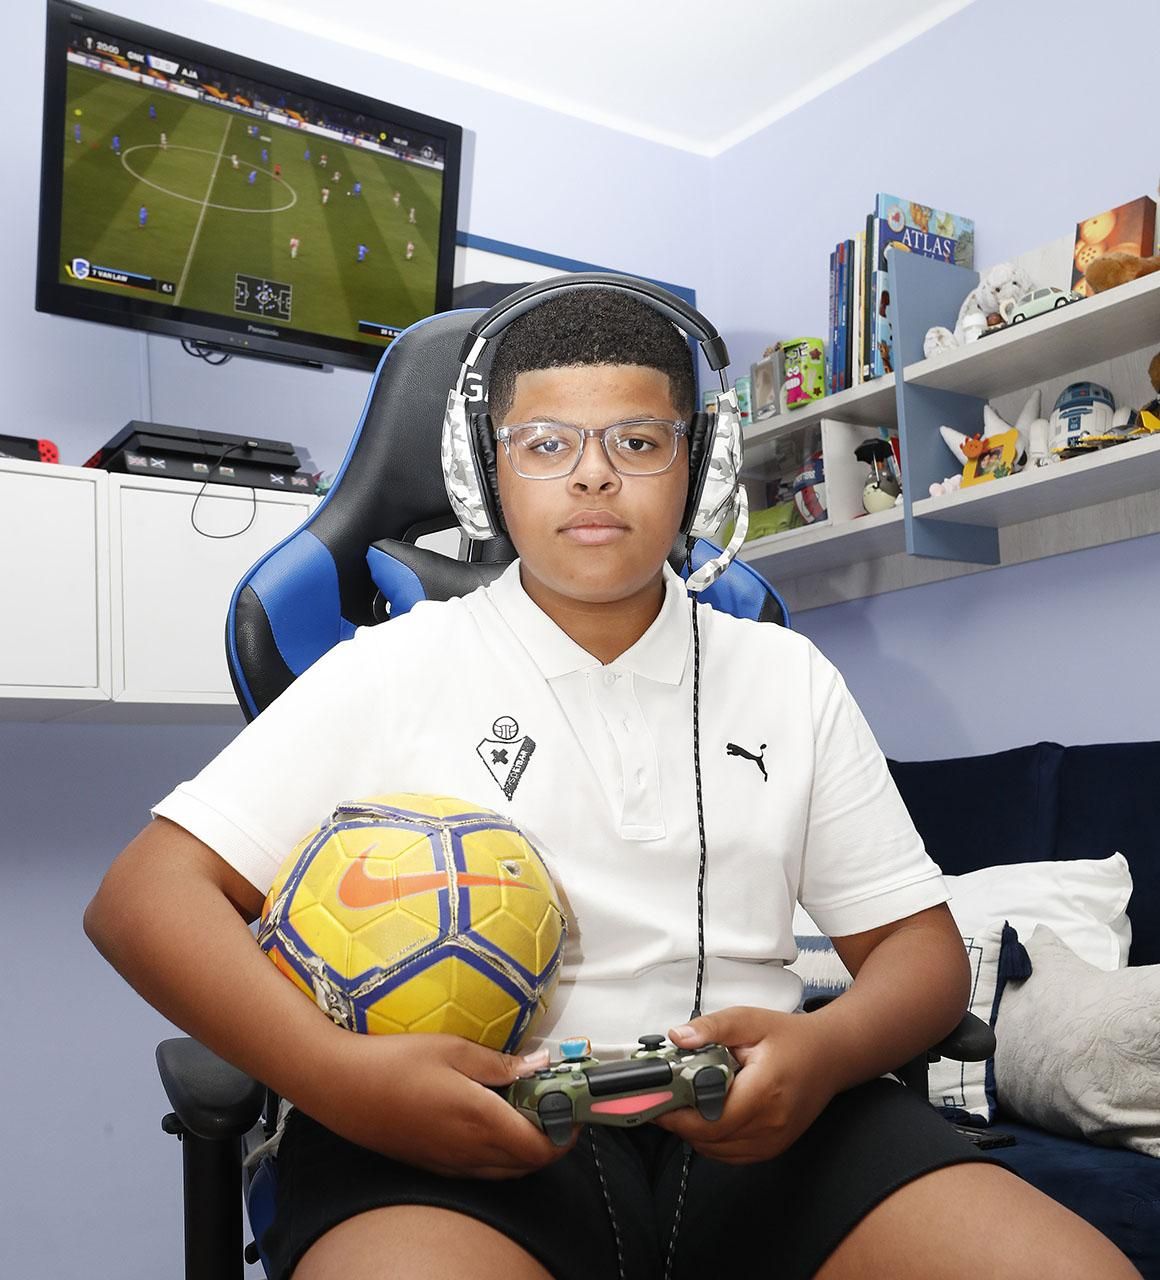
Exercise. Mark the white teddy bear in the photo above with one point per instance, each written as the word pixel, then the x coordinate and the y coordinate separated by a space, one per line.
pixel 1005 280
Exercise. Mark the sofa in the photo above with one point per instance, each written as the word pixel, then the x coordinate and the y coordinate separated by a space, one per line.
pixel 1041 803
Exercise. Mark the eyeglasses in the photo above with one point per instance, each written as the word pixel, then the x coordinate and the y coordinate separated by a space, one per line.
pixel 552 450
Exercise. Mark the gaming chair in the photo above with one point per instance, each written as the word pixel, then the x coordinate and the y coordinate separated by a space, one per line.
pixel 353 562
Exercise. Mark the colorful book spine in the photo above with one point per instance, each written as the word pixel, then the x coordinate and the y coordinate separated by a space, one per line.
pixel 832 335
pixel 867 296
pixel 840 350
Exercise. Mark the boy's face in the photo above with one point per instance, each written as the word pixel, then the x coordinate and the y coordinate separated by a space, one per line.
pixel 560 527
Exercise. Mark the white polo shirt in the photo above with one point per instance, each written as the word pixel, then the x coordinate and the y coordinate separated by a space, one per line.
pixel 486 699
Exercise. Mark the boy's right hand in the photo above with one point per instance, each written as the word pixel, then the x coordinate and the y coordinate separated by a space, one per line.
pixel 432 1101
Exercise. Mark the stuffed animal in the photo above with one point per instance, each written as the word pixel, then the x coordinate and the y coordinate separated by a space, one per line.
pixel 1111 269
pixel 1029 430
pixel 995 285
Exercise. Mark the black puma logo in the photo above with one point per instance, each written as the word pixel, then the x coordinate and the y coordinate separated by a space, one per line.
pixel 732 749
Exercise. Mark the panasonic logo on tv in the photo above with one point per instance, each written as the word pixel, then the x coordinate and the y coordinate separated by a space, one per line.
pixel 266 333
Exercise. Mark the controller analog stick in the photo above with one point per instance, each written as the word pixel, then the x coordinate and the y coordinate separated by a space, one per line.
pixel 652 1042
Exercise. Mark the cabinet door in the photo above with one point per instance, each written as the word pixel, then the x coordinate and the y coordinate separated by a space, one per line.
pixel 174 574
pixel 53 532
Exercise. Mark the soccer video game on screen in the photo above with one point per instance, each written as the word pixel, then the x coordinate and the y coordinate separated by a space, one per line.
pixel 189 187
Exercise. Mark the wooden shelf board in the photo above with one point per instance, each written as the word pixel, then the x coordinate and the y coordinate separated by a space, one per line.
pixel 828 546
pixel 1115 472
pixel 1073 337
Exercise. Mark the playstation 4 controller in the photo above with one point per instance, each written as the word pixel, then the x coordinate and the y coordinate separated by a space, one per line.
pixel 657 1078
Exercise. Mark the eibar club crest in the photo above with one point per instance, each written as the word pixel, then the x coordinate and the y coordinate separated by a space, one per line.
pixel 506 754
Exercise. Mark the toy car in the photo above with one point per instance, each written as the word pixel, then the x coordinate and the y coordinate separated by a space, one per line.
pixel 1035 303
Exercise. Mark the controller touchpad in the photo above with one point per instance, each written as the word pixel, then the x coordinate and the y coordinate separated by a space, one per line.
pixel 618 1077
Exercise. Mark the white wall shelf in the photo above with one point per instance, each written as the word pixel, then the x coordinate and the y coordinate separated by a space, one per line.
pixel 824 546
pixel 1081 502
pixel 1113 473
pixel 872 404
pixel 1072 337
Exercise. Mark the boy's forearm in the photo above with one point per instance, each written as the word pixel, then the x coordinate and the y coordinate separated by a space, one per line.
pixel 181 943
pixel 910 992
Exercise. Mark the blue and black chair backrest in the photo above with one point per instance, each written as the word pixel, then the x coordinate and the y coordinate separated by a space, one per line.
pixel 354 561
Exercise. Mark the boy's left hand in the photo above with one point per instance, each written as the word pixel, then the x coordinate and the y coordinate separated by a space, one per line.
pixel 788 1077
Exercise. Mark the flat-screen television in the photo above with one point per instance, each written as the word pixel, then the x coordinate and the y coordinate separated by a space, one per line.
pixel 194 192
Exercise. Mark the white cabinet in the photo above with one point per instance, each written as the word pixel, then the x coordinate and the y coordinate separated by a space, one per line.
pixel 177 559
pixel 114 590
pixel 54 589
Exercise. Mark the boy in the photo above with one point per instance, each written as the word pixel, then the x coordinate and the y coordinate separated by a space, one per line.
pixel 398 1159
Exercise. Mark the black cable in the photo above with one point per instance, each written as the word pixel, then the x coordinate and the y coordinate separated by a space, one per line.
pixel 700 812
pixel 194 348
pixel 608 1205
pixel 225 453
pixel 688 1158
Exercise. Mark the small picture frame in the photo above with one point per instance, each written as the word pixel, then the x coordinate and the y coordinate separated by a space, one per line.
pixel 995 461
pixel 765 385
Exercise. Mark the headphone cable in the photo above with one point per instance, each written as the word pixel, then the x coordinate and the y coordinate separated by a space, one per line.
pixel 700 811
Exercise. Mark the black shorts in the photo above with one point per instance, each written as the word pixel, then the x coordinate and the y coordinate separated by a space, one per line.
pixel 794 1209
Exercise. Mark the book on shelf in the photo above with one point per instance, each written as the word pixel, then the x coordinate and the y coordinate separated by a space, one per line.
pixel 856 310
pixel 905 226
pixel 832 334
pixel 867 296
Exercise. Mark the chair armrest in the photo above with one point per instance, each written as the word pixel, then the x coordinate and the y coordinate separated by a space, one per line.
pixel 971 1041
pixel 210 1098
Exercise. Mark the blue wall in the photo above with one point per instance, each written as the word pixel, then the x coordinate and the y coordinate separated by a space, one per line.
pixel 92 1186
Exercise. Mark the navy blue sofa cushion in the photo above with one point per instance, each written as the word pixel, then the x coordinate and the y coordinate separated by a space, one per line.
pixel 984 811
pixel 1109 800
pixel 1051 802
pixel 1116 1190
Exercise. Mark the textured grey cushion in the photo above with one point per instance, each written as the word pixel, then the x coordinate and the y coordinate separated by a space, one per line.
pixel 1079 1048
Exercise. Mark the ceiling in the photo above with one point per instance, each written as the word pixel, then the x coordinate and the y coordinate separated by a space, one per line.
pixel 653 68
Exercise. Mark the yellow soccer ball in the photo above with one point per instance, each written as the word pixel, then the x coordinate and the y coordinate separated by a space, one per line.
pixel 418 913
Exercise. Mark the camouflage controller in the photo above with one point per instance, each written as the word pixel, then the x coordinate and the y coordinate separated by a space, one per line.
pixel 580 1090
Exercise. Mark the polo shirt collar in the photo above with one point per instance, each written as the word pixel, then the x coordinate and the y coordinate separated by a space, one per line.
pixel 660 654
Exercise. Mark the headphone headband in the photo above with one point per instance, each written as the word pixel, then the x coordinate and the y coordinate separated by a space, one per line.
pixel 669 305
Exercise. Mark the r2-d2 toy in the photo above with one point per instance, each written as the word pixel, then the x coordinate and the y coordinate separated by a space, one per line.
pixel 1083 410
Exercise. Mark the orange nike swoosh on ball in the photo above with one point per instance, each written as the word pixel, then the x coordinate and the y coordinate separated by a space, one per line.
pixel 358 890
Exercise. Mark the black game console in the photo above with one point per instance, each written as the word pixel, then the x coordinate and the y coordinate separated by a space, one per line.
pixel 180 453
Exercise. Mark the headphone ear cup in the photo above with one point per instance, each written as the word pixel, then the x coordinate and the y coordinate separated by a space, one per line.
pixel 483 447
pixel 700 451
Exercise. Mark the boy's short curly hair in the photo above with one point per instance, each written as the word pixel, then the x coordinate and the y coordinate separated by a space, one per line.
pixel 590 326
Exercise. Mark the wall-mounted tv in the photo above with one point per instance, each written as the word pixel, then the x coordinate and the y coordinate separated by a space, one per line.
pixel 194 192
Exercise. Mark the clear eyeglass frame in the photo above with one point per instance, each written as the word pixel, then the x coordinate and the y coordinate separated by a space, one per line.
pixel 580 436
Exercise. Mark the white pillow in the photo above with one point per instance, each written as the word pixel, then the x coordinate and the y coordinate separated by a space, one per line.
pixel 951 1085
pixel 1082 901
pixel 1078 1048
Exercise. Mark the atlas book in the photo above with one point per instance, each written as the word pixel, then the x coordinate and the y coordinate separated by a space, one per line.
pixel 905 226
